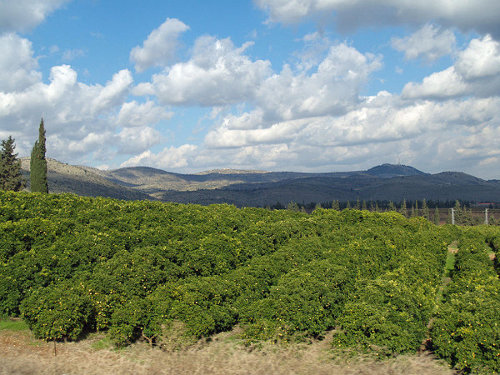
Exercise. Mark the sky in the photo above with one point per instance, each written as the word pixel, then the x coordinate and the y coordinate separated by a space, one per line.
pixel 278 85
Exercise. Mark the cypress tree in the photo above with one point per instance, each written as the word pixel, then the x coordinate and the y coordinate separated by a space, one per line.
pixel 38 163
pixel 336 205
pixel 403 209
pixel 425 209
pixel 10 167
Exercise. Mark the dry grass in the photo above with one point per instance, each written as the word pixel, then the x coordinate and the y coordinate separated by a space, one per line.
pixel 20 354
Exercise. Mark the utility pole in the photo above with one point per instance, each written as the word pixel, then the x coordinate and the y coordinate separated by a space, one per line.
pixel 453 216
pixel 486 216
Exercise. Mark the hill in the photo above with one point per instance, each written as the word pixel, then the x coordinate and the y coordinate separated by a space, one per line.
pixel 85 181
pixel 261 188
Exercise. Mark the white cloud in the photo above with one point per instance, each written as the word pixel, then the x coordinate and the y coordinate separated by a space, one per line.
pixel 481 15
pixel 22 15
pixel 160 46
pixel 113 94
pixel 17 64
pixel 217 74
pixel 82 121
pixel 443 84
pixel 134 114
pixel 383 128
pixel 169 158
pixel 480 60
pixel 475 72
pixel 332 88
pixel 137 140
pixel 428 43
pixel 220 74
pixel 278 133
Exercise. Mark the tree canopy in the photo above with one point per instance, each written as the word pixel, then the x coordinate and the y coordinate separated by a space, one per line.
pixel 38 163
pixel 10 167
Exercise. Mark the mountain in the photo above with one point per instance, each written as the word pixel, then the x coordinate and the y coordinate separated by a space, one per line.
pixel 261 188
pixel 86 181
pixel 391 170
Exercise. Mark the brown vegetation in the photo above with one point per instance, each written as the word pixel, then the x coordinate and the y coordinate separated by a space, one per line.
pixel 20 354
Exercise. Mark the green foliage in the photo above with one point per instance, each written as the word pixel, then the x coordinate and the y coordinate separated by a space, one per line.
pixel 165 272
pixel 10 167
pixel 403 209
pixel 38 163
pixel 425 210
pixel 466 331
pixel 13 325
pixel 58 312
pixel 308 300
pixel 389 313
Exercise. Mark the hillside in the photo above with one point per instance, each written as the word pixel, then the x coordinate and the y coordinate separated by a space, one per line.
pixel 261 188
pixel 85 181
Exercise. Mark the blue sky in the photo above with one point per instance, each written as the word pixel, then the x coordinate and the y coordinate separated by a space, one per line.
pixel 303 85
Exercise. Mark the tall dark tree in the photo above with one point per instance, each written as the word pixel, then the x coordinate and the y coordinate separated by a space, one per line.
pixel 392 206
pixel 403 209
pixel 38 163
pixel 10 167
pixel 336 205
pixel 425 209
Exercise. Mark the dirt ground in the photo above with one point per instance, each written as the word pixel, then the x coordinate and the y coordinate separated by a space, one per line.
pixel 21 354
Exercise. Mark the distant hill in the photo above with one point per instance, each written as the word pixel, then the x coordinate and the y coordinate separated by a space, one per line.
pixel 85 181
pixel 261 188
pixel 391 170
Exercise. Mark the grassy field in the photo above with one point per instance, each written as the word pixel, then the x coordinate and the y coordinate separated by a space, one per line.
pixel 21 354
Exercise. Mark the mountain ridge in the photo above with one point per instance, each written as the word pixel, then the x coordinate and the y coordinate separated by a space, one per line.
pixel 260 188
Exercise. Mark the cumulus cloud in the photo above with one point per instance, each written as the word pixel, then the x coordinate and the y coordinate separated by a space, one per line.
pixel 428 43
pixel 382 128
pixel 480 60
pixel 169 158
pixel 81 119
pixel 443 84
pixel 22 15
pixel 17 64
pixel 475 72
pixel 75 113
pixel 134 114
pixel 481 15
pixel 332 88
pixel 136 140
pixel 277 133
pixel 218 73
pixel 160 46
